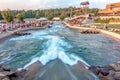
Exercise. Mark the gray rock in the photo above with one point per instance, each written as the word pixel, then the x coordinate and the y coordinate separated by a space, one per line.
pixel 117 76
pixel 115 66
pixel 4 78
pixel 104 72
pixel 1 74
pixel 21 33
pixel 95 70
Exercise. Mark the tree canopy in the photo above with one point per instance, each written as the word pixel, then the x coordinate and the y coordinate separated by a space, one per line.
pixel 7 15
pixel 19 16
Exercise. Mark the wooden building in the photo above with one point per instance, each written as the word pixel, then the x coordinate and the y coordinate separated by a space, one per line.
pixel 112 9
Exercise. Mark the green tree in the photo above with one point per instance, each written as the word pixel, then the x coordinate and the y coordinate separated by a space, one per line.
pixel 63 15
pixel 7 15
pixel 94 11
pixel 20 17
pixel 71 9
pixel 49 14
pixel 1 16
pixel 37 15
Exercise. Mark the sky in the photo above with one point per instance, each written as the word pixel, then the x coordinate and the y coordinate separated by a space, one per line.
pixel 45 4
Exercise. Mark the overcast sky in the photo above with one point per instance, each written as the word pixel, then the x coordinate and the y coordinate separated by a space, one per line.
pixel 43 4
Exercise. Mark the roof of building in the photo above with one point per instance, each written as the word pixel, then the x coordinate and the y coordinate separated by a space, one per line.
pixel 115 4
pixel 56 18
pixel 42 19
pixel 109 10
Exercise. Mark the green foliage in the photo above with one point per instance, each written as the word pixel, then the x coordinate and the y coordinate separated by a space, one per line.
pixel 28 14
pixel 88 11
pixel 37 15
pixel 1 16
pixel 7 15
pixel 63 15
pixel 50 13
pixel 98 20
pixel 94 11
pixel 20 17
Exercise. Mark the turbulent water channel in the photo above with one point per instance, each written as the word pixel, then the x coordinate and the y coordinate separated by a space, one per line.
pixel 59 50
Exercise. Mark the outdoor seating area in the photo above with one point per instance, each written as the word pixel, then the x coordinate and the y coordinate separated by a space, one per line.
pixel 5 27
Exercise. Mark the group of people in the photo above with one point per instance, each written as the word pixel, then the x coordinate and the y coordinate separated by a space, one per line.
pixel 4 27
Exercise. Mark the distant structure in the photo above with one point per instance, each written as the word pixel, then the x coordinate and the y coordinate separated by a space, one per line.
pixel 56 19
pixel 87 18
pixel 112 9
pixel 41 21
pixel 83 19
pixel 84 4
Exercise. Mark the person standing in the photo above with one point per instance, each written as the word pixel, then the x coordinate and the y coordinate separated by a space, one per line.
pixel 0 29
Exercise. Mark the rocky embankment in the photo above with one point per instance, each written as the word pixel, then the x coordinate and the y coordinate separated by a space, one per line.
pixel 108 72
pixel 21 33
pixel 90 31
pixel 9 74
pixel 25 74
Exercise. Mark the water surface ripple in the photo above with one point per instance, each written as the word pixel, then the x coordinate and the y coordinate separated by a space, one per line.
pixel 61 48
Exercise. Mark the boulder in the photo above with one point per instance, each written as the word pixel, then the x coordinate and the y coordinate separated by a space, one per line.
pixel 117 76
pixel 90 31
pixel 8 74
pixel 118 62
pixel 2 75
pixel 4 78
pixel 115 66
pixel 21 33
pixel 104 72
pixel 95 70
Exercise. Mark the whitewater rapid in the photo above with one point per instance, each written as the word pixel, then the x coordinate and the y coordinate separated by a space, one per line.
pixel 54 47
pixel 49 50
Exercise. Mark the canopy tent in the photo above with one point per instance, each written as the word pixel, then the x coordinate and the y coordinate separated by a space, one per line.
pixel 43 19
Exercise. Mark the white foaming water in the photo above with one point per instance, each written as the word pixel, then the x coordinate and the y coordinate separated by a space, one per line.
pixel 54 49
pixel 35 35
pixel 33 61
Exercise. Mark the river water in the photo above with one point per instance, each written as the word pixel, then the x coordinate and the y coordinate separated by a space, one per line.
pixel 59 49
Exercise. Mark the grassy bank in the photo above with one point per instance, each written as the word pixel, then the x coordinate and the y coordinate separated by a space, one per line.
pixel 109 25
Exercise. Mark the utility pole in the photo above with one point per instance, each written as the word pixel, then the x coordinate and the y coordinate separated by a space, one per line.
pixel 70 11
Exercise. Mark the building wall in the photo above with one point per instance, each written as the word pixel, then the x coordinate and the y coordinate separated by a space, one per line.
pixel 113 6
pixel 111 10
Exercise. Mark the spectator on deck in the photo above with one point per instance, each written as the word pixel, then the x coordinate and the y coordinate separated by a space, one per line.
pixel 0 29
pixel 3 28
